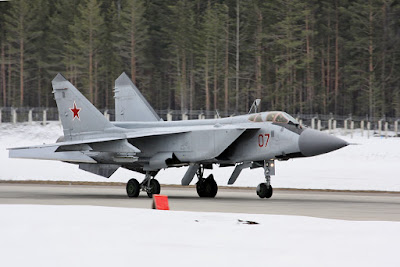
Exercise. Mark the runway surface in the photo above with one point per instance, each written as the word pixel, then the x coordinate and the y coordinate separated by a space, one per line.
pixel 333 205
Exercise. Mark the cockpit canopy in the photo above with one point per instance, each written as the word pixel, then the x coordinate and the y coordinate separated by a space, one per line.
pixel 273 116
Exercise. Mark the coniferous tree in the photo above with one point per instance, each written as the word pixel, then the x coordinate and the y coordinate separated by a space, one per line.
pixel 133 36
pixel 362 47
pixel 180 33
pixel 3 46
pixel 299 56
pixel 19 33
pixel 213 43
pixel 111 61
pixel 37 61
pixel 61 18
pixel 87 32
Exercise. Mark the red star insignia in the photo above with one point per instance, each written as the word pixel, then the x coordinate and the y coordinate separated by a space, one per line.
pixel 75 111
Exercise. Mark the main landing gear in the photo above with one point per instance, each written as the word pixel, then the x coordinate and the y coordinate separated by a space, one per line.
pixel 150 185
pixel 206 187
pixel 264 190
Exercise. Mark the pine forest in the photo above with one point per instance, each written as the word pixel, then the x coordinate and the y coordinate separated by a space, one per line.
pixel 300 56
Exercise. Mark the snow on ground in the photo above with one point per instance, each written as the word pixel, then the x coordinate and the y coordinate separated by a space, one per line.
pixel 33 235
pixel 369 165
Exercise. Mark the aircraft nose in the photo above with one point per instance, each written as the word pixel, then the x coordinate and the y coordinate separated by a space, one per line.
pixel 312 142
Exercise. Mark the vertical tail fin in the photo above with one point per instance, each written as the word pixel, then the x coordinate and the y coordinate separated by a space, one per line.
pixel 77 114
pixel 130 104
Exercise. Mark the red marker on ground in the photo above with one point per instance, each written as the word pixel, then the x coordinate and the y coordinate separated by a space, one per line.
pixel 160 202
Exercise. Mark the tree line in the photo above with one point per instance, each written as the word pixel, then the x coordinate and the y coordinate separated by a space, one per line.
pixel 301 56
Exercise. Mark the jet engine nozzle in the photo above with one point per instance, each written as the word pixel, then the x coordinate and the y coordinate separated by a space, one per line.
pixel 312 143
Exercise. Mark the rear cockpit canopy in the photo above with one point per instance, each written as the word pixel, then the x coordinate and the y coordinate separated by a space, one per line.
pixel 273 116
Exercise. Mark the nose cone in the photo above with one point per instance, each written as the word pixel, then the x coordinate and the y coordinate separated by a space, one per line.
pixel 312 142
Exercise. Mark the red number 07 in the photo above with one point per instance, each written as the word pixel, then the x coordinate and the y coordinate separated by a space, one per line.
pixel 261 140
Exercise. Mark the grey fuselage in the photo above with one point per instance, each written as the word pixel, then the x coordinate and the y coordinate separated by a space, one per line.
pixel 225 141
pixel 101 147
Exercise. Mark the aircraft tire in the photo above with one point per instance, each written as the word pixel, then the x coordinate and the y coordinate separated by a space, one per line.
pixel 133 188
pixel 211 186
pixel 155 188
pixel 200 188
pixel 207 187
pixel 269 192
pixel 263 191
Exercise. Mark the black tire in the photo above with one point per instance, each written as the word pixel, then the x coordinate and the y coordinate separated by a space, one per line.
pixel 200 187
pixel 269 192
pixel 211 186
pixel 133 188
pixel 207 187
pixel 155 188
pixel 263 191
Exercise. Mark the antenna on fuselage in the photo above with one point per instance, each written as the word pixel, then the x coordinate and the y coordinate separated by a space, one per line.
pixel 255 104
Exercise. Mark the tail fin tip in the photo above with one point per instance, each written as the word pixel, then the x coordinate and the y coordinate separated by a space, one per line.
pixel 123 80
pixel 130 104
pixel 59 78
pixel 78 115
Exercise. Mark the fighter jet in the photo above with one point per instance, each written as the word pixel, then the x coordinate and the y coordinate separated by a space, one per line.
pixel 140 141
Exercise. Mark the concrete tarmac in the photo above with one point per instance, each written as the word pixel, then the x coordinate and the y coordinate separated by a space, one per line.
pixel 358 206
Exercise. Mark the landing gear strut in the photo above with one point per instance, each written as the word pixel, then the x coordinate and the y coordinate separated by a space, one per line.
pixel 152 188
pixel 206 187
pixel 265 190
pixel 150 185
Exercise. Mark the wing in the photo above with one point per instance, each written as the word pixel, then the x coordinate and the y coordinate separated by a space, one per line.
pixel 83 151
pixel 201 144
pixel 209 142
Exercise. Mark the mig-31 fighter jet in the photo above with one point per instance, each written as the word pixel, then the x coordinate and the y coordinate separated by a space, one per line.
pixel 140 141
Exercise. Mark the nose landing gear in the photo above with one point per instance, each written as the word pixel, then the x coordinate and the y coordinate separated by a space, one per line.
pixel 265 190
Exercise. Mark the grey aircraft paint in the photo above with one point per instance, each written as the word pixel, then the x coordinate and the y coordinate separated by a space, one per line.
pixel 139 141
pixel 130 104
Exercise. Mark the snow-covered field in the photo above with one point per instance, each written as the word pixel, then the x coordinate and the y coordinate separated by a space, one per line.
pixel 100 236
pixel 369 165
pixel 40 235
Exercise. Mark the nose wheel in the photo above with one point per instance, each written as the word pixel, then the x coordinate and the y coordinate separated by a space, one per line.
pixel 265 190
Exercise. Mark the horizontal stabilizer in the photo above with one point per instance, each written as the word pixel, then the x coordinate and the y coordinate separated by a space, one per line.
pixel 69 145
pixel 78 151
pixel 118 143
pixel 49 153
